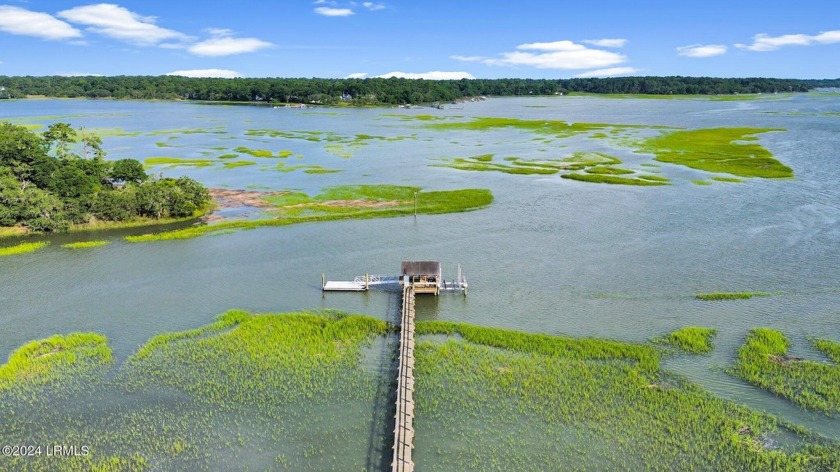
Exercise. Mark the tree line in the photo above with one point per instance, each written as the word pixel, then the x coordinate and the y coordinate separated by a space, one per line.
pixel 53 180
pixel 378 91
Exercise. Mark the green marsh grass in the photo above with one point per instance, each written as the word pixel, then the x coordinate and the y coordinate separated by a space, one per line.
pixel 503 400
pixel 175 162
pixel 763 361
pixel 718 296
pixel 234 164
pixel 723 150
pixel 701 182
pixel 22 248
pixel 693 339
pixel 828 347
pixel 85 244
pixel 614 180
pixel 344 202
pixel 46 360
pixel 254 152
pixel 608 170
pixel 733 180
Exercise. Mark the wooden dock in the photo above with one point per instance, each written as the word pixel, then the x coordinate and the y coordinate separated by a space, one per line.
pixel 404 430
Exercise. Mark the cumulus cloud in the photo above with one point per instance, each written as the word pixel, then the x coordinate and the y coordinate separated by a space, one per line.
pixel 607 43
pixel 120 23
pixel 330 11
pixel 433 75
pixel 551 55
pixel 217 73
pixel 609 72
pixel 764 42
pixel 20 21
pixel 357 75
pixel 373 6
pixel 701 50
pixel 226 46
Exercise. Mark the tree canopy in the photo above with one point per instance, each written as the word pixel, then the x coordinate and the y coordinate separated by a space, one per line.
pixel 46 184
pixel 377 91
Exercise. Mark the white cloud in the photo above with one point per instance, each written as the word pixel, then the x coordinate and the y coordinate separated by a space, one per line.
pixel 763 42
pixel 373 6
pixel 219 32
pixel 17 20
pixel 468 58
pixel 119 23
pixel 329 11
pixel 357 75
pixel 218 73
pixel 701 50
pixel 607 43
pixel 433 75
pixel 610 72
pixel 227 46
pixel 78 74
pixel 552 55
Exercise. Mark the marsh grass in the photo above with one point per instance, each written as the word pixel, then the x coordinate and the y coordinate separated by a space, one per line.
pixel 531 403
pixel 718 296
pixel 234 164
pixel 85 244
pixel 344 202
pixel 22 248
pixel 46 360
pixel 733 180
pixel 701 182
pixel 763 361
pixel 175 162
pixel 830 348
pixel 518 166
pixel 693 339
pixel 615 180
pixel 255 152
pixel 722 150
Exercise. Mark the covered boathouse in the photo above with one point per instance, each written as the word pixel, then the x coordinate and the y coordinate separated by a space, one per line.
pixel 425 276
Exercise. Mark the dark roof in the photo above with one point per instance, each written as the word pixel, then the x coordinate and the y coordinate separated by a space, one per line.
pixel 420 268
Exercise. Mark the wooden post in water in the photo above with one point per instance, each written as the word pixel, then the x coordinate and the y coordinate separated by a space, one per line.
pixel 415 204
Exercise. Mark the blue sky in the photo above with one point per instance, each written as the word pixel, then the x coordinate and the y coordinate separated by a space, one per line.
pixel 431 39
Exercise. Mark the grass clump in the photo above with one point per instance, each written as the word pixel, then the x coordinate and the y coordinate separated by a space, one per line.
pixel 718 296
pixel 693 339
pixel 614 180
pixel 254 152
pixel 85 244
pixel 175 162
pixel 829 348
pixel 608 170
pixel 763 361
pixel 733 180
pixel 22 248
pixel 701 182
pixel 344 202
pixel 723 150
pixel 46 360
pixel 234 164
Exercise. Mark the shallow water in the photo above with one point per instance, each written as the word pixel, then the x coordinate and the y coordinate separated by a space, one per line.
pixel 551 255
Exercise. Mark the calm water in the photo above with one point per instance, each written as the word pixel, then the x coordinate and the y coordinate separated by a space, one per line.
pixel 551 255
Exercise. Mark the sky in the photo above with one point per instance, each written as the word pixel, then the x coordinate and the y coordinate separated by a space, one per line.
pixel 433 39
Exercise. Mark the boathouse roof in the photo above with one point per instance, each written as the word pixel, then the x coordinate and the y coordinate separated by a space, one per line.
pixel 414 268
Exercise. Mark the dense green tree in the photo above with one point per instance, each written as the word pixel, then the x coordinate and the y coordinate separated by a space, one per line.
pixel 127 171
pixel 46 186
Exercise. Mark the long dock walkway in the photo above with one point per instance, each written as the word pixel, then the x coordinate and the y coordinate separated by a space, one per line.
pixel 404 430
